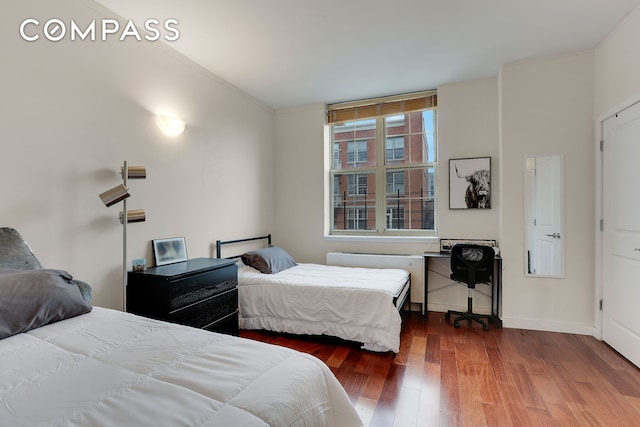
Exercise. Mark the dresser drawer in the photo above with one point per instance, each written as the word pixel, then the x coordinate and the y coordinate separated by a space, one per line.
pixel 227 325
pixel 198 287
pixel 206 312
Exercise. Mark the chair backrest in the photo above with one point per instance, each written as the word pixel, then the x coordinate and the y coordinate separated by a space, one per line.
pixel 472 264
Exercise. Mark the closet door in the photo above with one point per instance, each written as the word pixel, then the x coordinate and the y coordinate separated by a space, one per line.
pixel 621 238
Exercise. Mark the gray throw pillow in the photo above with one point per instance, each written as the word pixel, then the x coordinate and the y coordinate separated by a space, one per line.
pixel 33 298
pixel 14 252
pixel 269 260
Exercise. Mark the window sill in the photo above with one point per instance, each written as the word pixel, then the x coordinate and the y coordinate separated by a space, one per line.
pixel 383 239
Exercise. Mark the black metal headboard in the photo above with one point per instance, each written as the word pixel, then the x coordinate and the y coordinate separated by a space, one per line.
pixel 219 243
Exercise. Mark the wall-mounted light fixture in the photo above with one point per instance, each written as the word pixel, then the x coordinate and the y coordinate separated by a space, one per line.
pixel 120 193
pixel 170 125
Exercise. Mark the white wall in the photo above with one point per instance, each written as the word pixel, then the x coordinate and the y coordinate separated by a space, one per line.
pixel 467 127
pixel 301 162
pixel 546 107
pixel 72 112
pixel 299 182
pixel 617 67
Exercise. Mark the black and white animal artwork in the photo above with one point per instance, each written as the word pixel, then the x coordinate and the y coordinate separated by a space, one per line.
pixel 470 187
pixel 478 193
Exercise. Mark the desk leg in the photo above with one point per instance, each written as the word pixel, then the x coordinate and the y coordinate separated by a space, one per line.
pixel 496 286
pixel 426 287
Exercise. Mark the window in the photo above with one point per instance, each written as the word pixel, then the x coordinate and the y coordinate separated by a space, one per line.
pixel 395 218
pixel 395 183
pixel 336 157
pixel 357 218
pixel 385 144
pixel 357 184
pixel 357 152
pixel 395 148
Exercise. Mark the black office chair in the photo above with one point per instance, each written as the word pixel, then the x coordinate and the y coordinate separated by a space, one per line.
pixel 471 264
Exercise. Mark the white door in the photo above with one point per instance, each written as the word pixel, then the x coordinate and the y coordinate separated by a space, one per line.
pixel 548 220
pixel 621 234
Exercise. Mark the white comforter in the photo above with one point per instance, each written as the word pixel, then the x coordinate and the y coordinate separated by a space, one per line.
pixel 108 368
pixel 355 304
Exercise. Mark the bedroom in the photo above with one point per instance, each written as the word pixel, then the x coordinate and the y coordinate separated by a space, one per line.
pixel 72 112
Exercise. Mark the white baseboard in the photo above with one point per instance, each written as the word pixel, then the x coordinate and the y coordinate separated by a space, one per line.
pixel 530 324
pixel 548 326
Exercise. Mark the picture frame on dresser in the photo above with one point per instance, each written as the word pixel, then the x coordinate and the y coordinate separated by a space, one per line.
pixel 169 251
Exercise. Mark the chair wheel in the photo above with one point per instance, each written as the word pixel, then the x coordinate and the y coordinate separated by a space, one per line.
pixel 447 316
pixel 456 324
pixel 485 327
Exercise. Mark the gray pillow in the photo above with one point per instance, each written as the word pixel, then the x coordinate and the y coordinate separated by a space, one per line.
pixel 33 298
pixel 14 252
pixel 269 260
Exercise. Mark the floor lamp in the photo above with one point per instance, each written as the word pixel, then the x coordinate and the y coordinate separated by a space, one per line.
pixel 120 193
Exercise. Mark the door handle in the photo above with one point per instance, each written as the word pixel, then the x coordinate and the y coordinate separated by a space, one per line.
pixel 554 235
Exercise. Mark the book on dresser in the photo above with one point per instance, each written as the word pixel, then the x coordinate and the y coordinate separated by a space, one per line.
pixel 200 292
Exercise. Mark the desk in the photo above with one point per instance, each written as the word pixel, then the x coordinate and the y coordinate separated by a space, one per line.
pixel 496 284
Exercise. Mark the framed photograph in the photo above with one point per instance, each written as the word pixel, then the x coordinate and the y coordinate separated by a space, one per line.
pixel 139 264
pixel 169 251
pixel 470 183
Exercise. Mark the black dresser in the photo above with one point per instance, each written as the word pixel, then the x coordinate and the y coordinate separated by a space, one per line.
pixel 200 292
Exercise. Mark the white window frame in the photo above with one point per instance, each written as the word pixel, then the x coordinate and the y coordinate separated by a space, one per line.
pixel 381 170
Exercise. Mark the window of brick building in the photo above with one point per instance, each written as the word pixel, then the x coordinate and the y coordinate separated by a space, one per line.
pixel 383 168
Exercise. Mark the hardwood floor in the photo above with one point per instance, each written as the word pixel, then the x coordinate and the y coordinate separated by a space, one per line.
pixel 444 376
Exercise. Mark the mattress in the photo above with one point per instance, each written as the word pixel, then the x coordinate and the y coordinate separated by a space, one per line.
pixel 356 304
pixel 108 368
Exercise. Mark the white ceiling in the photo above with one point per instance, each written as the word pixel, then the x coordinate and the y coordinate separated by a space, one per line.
pixel 289 53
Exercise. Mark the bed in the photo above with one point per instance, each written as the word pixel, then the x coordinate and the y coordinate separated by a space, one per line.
pixel 66 363
pixel 356 304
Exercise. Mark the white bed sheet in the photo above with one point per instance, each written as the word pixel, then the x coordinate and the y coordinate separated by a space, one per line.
pixel 108 368
pixel 352 303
